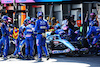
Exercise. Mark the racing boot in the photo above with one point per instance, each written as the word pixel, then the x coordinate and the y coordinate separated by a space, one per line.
pixel 20 56
pixel 5 58
pixel 47 57
pixel 12 56
pixel 39 60
pixel 26 57
pixel 31 58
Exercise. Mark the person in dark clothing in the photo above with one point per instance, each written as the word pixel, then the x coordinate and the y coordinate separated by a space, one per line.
pixel 71 23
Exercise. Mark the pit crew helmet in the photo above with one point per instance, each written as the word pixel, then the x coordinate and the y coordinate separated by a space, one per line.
pixel 33 19
pixel 40 14
pixel 4 18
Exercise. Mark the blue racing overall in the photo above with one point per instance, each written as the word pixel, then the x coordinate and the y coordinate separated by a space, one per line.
pixel 5 39
pixel 40 27
pixel 21 38
pixel 29 37
pixel 96 33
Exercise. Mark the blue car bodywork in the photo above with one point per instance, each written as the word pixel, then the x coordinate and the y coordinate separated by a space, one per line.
pixel 60 42
pixel 65 46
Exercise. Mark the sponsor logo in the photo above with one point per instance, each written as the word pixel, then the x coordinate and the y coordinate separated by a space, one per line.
pixel 42 23
pixel 43 27
pixel 56 42
pixel 84 49
pixel 61 51
pixel 22 0
pixel 8 1
pixel 98 30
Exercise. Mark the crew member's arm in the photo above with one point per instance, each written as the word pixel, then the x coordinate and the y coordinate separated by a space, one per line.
pixel 47 26
pixel 89 33
pixel 36 26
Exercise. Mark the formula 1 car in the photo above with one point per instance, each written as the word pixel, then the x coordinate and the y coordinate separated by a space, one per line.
pixel 57 45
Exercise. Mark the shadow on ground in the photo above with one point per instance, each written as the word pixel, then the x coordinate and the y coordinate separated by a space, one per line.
pixel 85 61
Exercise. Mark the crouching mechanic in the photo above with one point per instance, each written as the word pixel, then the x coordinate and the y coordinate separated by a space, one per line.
pixel 5 33
pixel 93 36
pixel 94 32
pixel 21 37
pixel 40 27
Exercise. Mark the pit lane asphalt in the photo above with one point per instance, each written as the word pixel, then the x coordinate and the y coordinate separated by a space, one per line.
pixel 55 61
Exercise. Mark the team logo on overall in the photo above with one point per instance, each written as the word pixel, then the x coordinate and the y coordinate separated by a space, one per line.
pixel 42 23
